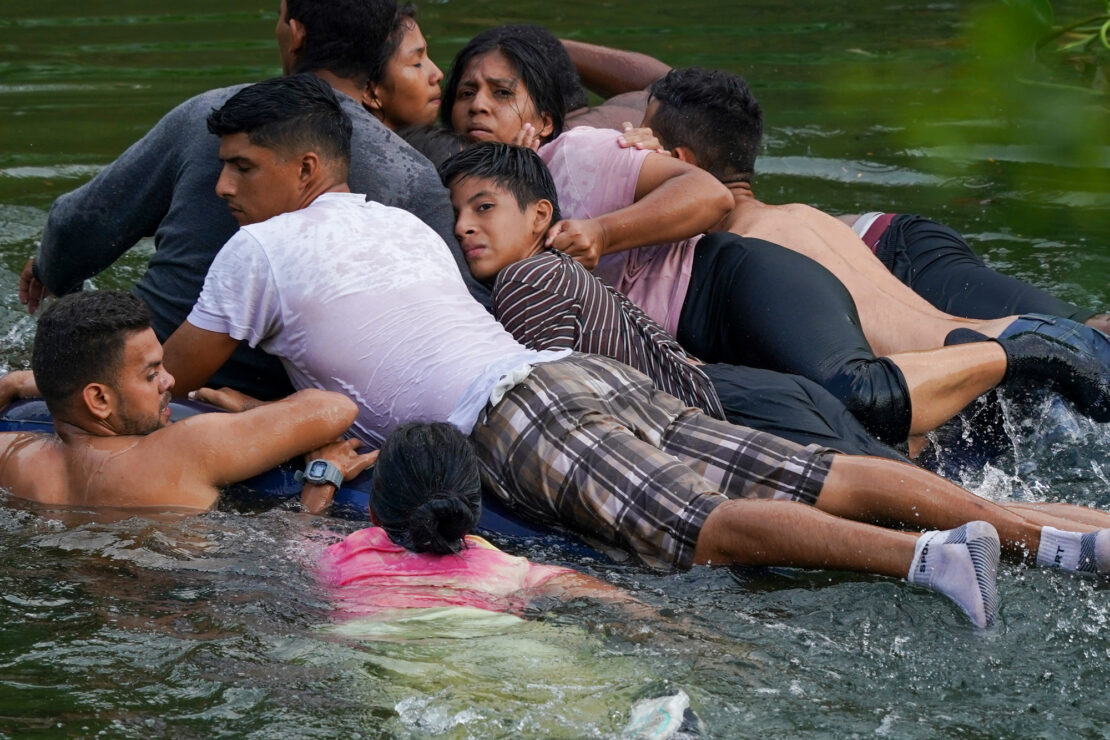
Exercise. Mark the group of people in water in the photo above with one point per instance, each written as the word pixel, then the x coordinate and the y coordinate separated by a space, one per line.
pixel 602 325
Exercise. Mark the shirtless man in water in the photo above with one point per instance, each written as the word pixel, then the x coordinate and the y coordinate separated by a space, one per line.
pixel 98 366
pixel 711 119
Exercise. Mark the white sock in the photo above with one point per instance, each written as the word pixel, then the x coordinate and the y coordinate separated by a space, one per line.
pixel 1074 551
pixel 962 564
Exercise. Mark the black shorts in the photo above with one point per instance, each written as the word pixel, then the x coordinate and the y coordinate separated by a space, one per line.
pixel 938 265
pixel 755 303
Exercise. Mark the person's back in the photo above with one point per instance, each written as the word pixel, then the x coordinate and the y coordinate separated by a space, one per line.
pixel 422 554
pixel 170 178
pixel 42 472
pixel 313 285
pixel 549 301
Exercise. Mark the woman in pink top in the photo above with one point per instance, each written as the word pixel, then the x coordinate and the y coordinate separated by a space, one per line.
pixel 427 500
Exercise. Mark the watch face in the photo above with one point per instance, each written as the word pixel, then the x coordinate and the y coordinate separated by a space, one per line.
pixel 317 469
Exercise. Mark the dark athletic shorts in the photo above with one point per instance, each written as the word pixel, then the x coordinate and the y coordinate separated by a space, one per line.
pixel 936 262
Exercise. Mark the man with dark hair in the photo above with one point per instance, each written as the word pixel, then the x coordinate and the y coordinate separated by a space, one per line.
pixel 929 257
pixel 363 298
pixel 712 119
pixel 163 186
pixel 98 366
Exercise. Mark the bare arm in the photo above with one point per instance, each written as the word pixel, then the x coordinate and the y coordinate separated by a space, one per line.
pixel 227 448
pixel 674 201
pixel 610 72
pixel 192 355
pixel 317 497
pixel 19 384
pixel 574 585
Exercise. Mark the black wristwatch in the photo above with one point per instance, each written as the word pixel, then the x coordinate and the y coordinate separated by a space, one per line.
pixel 320 471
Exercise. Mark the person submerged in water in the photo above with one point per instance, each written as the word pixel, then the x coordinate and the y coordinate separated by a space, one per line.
pixel 98 365
pixel 422 557
pixel 422 550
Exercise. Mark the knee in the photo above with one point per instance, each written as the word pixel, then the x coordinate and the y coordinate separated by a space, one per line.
pixel 876 393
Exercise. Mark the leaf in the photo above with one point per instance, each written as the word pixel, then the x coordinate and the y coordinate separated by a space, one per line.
pixel 1037 11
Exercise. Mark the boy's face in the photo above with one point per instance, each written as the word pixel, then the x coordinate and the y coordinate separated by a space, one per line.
pixel 491 228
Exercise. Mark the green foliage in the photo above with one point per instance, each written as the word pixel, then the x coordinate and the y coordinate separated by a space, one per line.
pixel 1081 49
pixel 995 112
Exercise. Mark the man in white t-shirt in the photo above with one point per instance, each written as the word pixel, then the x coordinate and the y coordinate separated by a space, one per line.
pixel 364 299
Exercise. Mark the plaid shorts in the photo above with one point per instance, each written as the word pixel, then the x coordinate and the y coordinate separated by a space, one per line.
pixel 589 444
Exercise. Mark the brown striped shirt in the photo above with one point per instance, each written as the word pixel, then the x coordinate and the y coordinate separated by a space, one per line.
pixel 549 301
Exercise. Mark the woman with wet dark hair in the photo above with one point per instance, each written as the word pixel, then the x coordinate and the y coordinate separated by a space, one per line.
pixel 430 491
pixel 519 75
pixel 403 85
pixel 426 503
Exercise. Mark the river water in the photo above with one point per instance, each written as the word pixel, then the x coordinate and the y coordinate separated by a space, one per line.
pixel 212 626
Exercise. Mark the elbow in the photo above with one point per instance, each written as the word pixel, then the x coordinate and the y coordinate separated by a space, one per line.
pixel 348 411
pixel 713 200
pixel 339 409
pixel 721 202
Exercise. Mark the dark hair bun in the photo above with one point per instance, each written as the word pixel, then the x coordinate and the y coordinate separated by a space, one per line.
pixel 427 489
pixel 439 525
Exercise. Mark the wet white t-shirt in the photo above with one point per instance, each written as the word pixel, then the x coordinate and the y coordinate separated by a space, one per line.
pixel 367 300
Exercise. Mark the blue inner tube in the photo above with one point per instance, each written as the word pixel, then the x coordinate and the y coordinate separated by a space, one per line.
pixel 352 500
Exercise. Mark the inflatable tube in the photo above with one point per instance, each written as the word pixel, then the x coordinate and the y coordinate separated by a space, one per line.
pixel 352 500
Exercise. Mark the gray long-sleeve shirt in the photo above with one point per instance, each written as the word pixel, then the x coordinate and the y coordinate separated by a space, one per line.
pixel 164 186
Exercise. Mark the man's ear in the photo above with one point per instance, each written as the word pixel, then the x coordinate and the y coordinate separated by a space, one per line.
pixel 542 220
pixel 686 154
pixel 99 400
pixel 310 167
pixel 297 36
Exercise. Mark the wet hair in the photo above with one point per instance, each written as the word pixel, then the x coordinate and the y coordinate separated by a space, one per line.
pixel 541 62
pixel 436 143
pixel 80 340
pixel 515 169
pixel 290 115
pixel 403 19
pixel 427 491
pixel 341 36
pixel 712 113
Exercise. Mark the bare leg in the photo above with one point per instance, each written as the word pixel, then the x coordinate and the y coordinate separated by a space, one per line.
pixel 942 382
pixel 760 532
pixel 889 493
pixel 961 564
pixel 1063 516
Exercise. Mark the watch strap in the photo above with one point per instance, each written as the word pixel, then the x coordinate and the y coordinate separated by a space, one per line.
pixel 331 474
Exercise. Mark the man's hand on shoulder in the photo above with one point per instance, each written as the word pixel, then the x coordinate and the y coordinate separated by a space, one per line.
pixel 19 384
pixel 31 291
pixel 583 239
